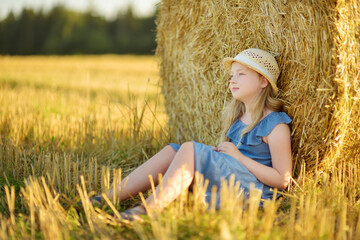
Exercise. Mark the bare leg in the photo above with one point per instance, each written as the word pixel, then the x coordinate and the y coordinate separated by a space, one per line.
pixel 138 180
pixel 177 178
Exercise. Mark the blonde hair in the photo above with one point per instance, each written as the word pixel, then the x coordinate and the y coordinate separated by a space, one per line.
pixel 236 109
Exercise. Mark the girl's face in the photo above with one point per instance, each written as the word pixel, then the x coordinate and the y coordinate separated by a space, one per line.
pixel 245 83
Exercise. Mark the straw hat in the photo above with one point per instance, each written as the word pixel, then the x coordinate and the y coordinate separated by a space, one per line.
pixel 259 61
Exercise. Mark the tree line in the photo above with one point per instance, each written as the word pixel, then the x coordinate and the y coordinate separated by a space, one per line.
pixel 63 31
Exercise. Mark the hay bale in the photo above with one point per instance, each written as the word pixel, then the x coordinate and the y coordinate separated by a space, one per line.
pixel 316 44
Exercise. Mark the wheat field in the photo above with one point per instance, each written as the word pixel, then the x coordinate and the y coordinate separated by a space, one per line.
pixel 72 125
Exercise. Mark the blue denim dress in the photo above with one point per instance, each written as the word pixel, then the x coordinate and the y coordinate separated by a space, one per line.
pixel 216 165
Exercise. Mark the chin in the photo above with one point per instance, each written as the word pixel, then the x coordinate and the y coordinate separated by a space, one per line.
pixel 237 98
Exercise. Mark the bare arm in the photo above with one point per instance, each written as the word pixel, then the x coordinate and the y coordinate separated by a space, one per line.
pixel 278 175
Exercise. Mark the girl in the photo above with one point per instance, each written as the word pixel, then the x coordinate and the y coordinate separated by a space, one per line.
pixel 255 143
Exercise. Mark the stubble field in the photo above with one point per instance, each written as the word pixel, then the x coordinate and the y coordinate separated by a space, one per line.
pixel 72 125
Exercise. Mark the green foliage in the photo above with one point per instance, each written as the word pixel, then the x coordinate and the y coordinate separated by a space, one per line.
pixel 62 31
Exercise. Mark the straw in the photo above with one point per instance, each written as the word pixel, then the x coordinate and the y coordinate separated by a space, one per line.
pixel 316 44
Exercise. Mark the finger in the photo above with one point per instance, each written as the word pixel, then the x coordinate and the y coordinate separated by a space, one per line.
pixel 222 144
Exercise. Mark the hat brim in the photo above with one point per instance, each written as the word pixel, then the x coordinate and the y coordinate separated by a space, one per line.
pixel 227 62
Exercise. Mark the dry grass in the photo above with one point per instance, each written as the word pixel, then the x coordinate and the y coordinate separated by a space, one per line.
pixel 67 118
pixel 59 145
pixel 316 44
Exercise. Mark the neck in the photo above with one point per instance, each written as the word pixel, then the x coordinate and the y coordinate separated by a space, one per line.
pixel 247 116
pixel 248 110
pixel 249 105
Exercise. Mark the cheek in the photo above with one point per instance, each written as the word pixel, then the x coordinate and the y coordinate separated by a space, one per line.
pixel 238 80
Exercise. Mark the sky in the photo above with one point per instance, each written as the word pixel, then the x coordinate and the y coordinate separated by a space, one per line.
pixel 107 8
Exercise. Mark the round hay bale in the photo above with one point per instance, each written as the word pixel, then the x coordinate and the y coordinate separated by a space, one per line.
pixel 316 44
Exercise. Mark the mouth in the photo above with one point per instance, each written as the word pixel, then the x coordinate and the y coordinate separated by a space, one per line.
pixel 234 89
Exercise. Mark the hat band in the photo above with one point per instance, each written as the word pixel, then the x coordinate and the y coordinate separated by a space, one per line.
pixel 254 66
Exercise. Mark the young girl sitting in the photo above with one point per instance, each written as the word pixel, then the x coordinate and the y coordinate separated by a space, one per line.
pixel 255 143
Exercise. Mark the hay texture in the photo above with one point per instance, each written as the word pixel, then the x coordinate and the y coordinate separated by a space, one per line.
pixel 316 44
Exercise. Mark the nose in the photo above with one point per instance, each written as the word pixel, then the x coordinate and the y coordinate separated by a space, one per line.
pixel 232 80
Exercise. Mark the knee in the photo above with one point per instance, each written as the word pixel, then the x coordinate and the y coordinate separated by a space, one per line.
pixel 168 148
pixel 187 145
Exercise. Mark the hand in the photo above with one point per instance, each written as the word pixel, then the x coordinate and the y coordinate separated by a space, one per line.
pixel 229 148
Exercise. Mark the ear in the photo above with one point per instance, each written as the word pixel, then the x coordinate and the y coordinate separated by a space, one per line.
pixel 263 82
